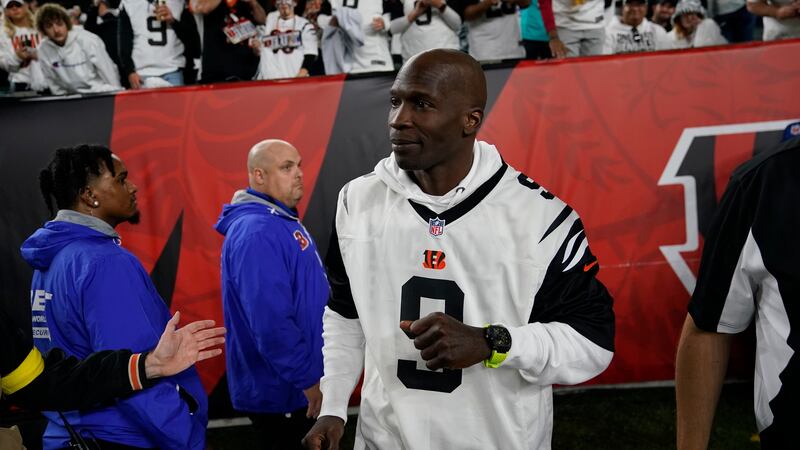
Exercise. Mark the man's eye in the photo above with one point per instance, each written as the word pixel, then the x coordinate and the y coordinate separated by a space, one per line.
pixel 421 104
pixel 395 102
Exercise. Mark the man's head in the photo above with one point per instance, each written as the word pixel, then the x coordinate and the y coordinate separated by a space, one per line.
pixel 92 180
pixel 437 103
pixel 273 168
pixel 633 12
pixel 285 8
pixel 663 10
pixel 54 22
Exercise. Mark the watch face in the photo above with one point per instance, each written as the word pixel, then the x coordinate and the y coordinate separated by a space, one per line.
pixel 499 338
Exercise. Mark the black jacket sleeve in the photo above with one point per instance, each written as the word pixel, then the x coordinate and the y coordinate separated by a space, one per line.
pixel 125 43
pixel 186 29
pixel 64 383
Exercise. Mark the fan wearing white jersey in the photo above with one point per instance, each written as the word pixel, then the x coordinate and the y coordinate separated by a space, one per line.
pixel 153 38
pixel 493 29
pixel 374 55
pixel 287 43
pixel 441 240
pixel 427 24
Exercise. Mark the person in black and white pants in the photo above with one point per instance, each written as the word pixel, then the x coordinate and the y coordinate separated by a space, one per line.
pixel 156 39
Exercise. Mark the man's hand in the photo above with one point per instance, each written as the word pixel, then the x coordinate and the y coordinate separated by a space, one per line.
pixel 377 24
pixel 422 6
pixel 135 80
pixel 164 14
pixel 787 11
pixel 444 342
pixel 178 349
pixel 314 397
pixel 325 434
pixel 302 73
pixel 557 48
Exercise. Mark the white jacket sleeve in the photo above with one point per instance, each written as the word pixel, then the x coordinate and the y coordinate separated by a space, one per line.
pixel 451 18
pixel 554 353
pixel 708 33
pixel 343 359
pixel 106 68
pixel 569 337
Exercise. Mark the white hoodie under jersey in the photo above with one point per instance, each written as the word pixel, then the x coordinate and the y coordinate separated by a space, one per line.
pixel 80 66
pixel 498 248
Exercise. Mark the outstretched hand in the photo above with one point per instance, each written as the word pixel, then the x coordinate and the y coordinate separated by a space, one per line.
pixel 178 349
pixel 325 434
pixel 445 342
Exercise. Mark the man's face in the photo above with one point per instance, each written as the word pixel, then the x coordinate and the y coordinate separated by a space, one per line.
pixel 662 12
pixel 283 178
pixel 16 11
pixel 633 13
pixel 56 31
pixel 426 119
pixel 689 22
pixel 285 8
pixel 115 194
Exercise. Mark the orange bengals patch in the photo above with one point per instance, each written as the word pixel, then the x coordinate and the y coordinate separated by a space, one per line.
pixel 433 259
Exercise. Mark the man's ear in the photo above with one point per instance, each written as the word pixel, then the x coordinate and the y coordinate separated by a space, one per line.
pixel 473 121
pixel 86 197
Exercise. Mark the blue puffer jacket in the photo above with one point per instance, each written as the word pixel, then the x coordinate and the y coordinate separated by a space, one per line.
pixel 274 291
pixel 88 294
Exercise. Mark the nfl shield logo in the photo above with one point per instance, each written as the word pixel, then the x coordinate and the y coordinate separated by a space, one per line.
pixel 436 227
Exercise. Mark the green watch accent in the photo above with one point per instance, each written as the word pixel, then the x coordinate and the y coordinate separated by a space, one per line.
pixel 499 340
pixel 495 360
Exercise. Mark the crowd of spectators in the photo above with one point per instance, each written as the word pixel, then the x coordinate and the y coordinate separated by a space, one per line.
pixel 84 46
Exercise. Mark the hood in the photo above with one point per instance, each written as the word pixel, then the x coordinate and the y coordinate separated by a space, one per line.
pixel 688 6
pixel 41 248
pixel 247 201
pixel 486 160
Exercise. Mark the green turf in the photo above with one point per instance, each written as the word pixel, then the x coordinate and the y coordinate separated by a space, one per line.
pixel 600 419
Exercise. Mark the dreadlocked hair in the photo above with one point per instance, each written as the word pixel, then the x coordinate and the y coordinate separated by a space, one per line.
pixel 69 172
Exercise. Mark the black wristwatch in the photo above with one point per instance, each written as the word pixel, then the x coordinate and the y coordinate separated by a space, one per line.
pixel 499 340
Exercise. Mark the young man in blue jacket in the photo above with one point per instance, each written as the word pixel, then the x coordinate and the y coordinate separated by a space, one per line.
pixel 88 294
pixel 274 291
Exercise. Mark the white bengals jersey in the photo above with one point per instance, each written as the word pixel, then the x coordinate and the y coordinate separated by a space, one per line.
pixel 374 55
pixel 496 34
pixel 284 44
pixel 429 31
pixel 749 272
pixel 507 252
pixel 156 47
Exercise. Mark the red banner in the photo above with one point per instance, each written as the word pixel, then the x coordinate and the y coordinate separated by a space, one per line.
pixel 641 146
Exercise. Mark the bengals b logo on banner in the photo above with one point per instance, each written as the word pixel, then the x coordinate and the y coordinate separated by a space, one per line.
pixel 433 259
pixel 702 162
